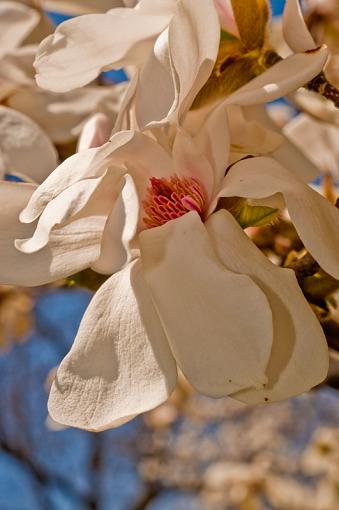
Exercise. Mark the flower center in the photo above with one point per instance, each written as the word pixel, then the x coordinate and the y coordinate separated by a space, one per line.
pixel 168 199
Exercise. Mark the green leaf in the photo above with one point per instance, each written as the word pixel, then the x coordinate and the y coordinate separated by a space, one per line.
pixel 256 215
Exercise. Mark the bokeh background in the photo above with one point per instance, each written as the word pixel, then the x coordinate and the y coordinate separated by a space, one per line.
pixel 193 453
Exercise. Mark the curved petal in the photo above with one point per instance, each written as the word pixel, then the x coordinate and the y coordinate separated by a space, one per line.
pixel 299 356
pixel 81 6
pixel 213 140
pixel 198 31
pixel 84 46
pixel 62 116
pixel 24 147
pixel 295 31
pixel 281 79
pixel 71 248
pixel 218 324
pixel 315 218
pixel 95 132
pixel 120 229
pixel 317 140
pixel 176 79
pixel 120 364
pixel 16 22
pixel 83 165
pixel 16 68
pixel 288 154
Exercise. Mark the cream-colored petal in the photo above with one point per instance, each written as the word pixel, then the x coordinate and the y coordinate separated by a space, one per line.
pixel 120 364
pixel 81 6
pixel 95 132
pixel 315 218
pixel 317 140
pixel 299 356
pixel 16 67
pixel 120 229
pixel 288 154
pixel 84 46
pixel 66 205
pixel 295 31
pixel 71 249
pixel 281 79
pixel 218 323
pixel 175 80
pixel 85 164
pixel 198 31
pixel 24 147
pixel 213 140
pixel 16 22
pixel 62 116
pixel 189 160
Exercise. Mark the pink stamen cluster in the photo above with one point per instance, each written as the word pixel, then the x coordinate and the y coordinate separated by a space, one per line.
pixel 168 199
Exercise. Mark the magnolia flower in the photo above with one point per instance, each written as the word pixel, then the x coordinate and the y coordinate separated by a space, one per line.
pixel 173 47
pixel 61 116
pixel 188 287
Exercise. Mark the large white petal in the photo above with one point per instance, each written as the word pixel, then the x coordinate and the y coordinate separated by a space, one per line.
pixel 299 356
pixel 218 323
pixel 71 249
pixel 288 154
pixel 314 217
pixel 213 140
pixel 16 22
pixel 177 78
pixel 120 364
pixel 25 149
pixel 295 31
pixel 84 46
pixel 281 79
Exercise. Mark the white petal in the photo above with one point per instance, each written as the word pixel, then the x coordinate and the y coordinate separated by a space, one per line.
pixel 120 229
pixel 189 160
pixel 198 31
pixel 96 132
pixel 60 210
pixel 16 68
pixel 81 6
pixel 315 218
pixel 85 164
pixel 24 147
pixel 317 140
pixel 213 140
pixel 288 154
pixel 84 46
pixel 16 22
pixel 295 31
pixel 218 324
pixel 120 364
pixel 62 116
pixel 299 356
pixel 71 249
pixel 281 79
pixel 175 80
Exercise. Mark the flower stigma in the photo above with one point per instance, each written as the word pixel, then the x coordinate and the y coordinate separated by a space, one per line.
pixel 168 199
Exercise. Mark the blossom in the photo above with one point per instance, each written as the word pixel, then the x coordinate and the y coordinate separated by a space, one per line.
pixel 173 47
pixel 188 287
pixel 61 116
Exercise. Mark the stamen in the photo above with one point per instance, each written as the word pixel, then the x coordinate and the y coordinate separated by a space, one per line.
pixel 168 199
